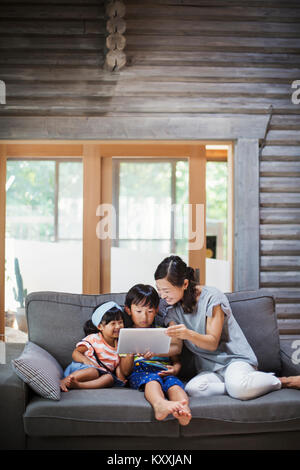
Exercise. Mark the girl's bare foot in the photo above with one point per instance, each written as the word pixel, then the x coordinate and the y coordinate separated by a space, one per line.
pixel 65 384
pixel 74 383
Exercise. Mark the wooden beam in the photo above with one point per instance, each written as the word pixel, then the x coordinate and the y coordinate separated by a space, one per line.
pixel 246 215
pixel 91 200
pixel 138 126
pixel 106 198
pixel 2 239
pixel 43 150
pixel 230 213
pixel 197 195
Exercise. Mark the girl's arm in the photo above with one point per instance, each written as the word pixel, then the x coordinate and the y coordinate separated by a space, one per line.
pixel 126 364
pixel 79 356
pixel 210 340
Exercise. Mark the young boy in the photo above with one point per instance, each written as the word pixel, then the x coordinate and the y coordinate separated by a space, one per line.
pixel 156 375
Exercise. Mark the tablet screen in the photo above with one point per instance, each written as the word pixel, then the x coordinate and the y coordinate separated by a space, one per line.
pixel 141 340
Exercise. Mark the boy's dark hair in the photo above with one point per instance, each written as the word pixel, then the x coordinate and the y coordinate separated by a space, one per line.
pixel 142 294
pixel 112 315
pixel 175 271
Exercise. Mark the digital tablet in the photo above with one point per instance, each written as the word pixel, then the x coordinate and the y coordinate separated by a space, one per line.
pixel 141 340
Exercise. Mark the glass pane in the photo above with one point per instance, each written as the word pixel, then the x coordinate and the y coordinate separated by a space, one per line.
pixel 217 264
pixel 30 200
pixel 70 201
pixel 145 201
pixel 151 218
pixel 43 249
pixel 182 213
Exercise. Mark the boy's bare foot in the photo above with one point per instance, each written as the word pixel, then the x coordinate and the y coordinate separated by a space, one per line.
pixel 163 408
pixel 184 414
pixel 179 409
pixel 65 384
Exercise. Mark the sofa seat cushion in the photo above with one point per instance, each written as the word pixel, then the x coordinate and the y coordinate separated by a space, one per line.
pixel 220 415
pixel 108 412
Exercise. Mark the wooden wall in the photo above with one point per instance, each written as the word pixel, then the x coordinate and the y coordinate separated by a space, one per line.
pixel 186 58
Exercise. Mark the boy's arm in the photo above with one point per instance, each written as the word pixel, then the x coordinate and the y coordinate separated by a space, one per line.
pixel 173 369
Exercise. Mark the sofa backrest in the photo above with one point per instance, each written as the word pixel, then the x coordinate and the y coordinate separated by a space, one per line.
pixel 255 313
pixel 55 322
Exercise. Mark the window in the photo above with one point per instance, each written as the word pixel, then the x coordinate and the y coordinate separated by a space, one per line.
pixel 43 231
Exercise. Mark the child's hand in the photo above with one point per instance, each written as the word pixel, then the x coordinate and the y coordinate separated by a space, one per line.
pixel 148 355
pixel 171 370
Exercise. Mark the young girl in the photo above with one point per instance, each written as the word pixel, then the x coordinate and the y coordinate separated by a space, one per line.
pixel 95 357
pixel 155 375
pixel 201 317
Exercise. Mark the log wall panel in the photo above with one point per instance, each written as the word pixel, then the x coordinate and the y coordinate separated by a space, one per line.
pixel 185 59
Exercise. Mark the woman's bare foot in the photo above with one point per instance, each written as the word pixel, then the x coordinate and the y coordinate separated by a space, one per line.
pixel 65 384
pixel 290 382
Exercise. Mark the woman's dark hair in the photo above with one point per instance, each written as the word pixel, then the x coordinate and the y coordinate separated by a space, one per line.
pixel 113 314
pixel 142 294
pixel 175 271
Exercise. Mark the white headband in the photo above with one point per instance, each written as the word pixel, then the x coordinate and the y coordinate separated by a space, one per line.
pixel 101 311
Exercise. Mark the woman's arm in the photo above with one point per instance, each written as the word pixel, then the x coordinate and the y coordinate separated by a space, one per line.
pixel 210 340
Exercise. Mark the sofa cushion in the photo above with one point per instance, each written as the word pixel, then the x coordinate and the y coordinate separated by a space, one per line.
pixel 104 412
pixel 219 415
pixel 255 313
pixel 39 370
pixel 64 316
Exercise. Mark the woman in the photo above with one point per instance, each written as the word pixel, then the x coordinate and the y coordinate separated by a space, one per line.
pixel 201 316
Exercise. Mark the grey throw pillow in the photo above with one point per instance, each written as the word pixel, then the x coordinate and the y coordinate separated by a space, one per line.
pixel 40 370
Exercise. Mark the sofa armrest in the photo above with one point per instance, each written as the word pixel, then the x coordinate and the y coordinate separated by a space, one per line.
pixel 13 400
pixel 289 366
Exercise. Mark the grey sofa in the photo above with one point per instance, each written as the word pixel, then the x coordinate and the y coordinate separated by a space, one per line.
pixel 116 419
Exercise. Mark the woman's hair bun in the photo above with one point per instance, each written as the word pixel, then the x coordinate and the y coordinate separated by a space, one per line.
pixel 190 273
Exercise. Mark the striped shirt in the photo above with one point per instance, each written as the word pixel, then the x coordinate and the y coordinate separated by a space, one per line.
pixel 105 353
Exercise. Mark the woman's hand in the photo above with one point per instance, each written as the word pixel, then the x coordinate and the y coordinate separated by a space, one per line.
pixel 178 331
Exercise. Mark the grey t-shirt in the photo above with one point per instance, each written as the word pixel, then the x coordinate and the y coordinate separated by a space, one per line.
pixel 233 344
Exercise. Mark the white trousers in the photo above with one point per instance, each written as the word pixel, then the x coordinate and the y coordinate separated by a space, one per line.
pixel 241 380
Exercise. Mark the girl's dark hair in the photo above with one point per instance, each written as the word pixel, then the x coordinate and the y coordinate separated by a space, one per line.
pixel 111 315
pixel 142 294
pixel 175 271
